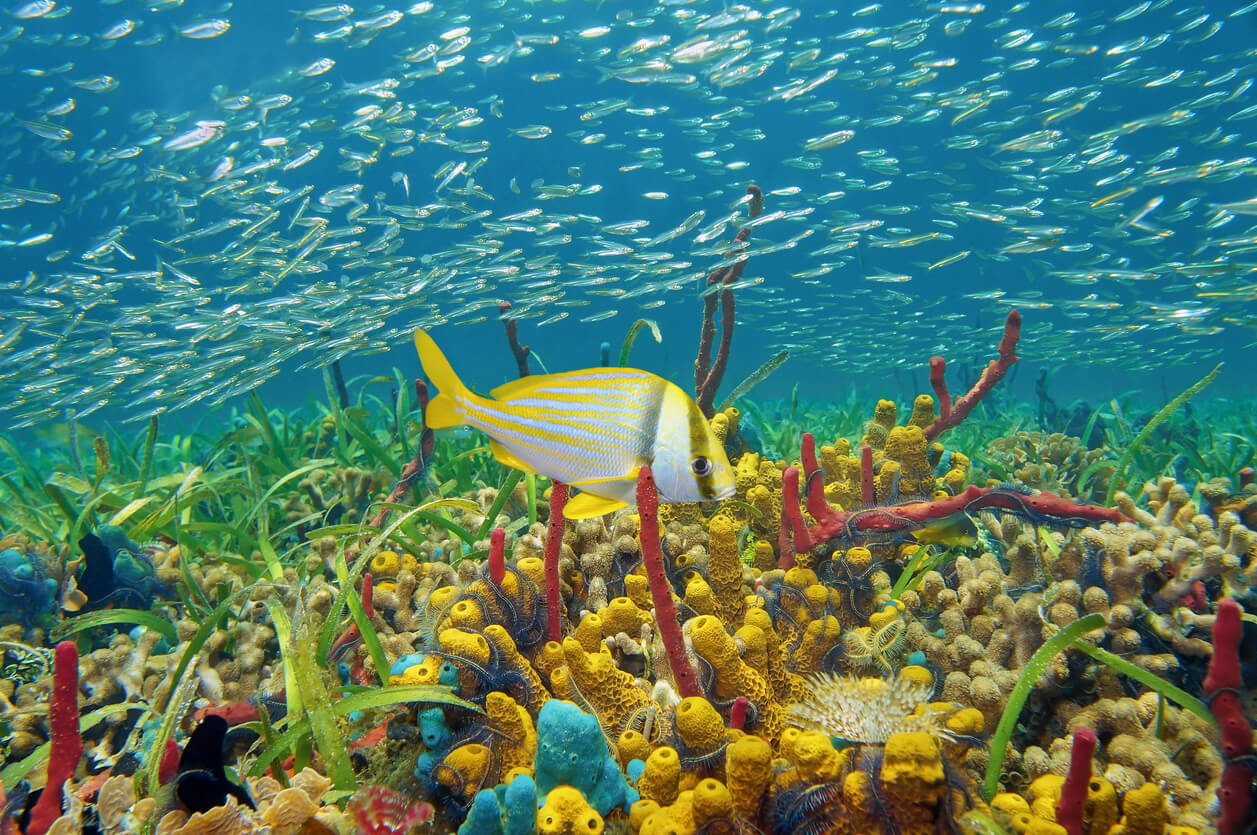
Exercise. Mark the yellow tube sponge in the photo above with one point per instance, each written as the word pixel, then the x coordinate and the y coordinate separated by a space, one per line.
pixel 623 615
pixel 610 692
pixel 876 430
pixel 922 411
pixel 1010 804
pixel 1045 791
pixel 534 569
pixel 712 802
pixel 724 568
pixel 781 681
pixel 386 564
pixel 427 671
pixel 465 614
pixel 464 649
pixel 638 590
pixel 746 473
pixel 589 632
pixel 748 771
pixel 701 728
pixel 733 677
pixel 640 811
pixel 815 757
pixel 441 598
pixel 463 770
pixel 913 779
pixel 860 800
pixel 566 812
pixel 513 730
pixel 957 474
pixel 1101 805
pixel 548 659
pixel 677 819
pixel 907 445
pixel 699 595
pixel 632 746
pixel 1143 812
pixel 509 658
pixel 819 638
pixel 660 777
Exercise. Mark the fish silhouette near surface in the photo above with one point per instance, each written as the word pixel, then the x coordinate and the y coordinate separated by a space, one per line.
pixel 592 429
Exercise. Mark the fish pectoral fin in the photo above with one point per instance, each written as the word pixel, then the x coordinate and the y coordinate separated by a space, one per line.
pixel 587 506
pixel 507 458
pixel 629 476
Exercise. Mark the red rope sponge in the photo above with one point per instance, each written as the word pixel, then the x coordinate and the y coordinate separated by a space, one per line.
pixel 67 746
pixel 683 673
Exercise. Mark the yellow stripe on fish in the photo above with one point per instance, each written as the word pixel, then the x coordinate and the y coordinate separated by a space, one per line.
pixel 593 429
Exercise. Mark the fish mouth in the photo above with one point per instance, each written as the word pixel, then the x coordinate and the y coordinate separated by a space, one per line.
pixel 726 493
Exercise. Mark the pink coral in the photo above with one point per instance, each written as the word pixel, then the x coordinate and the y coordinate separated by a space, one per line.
pixel 377 810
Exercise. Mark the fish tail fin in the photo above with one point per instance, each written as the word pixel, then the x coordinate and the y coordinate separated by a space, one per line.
pixel 443 410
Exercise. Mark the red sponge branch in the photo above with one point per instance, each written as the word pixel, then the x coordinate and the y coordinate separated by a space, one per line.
pixel 520 352
pixel 1222 687
pixel 953 414
pixel 816 504
pixel 683 673
pixel 1073 802
pixel 554 544
pixel 497 556
pixel 709 371
pixel 67 747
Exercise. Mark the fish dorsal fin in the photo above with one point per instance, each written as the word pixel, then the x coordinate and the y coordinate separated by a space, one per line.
pixel 587 506
pixel 507 459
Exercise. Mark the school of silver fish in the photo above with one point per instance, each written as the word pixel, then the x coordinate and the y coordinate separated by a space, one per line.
pixel 383 172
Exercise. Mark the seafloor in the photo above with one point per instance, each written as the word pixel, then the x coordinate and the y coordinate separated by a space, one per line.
pixel 1028 617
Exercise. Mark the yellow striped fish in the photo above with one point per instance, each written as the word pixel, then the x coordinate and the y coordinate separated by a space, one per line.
pixel 591 429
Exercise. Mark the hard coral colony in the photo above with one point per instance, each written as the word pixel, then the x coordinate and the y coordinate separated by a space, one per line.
pixel 860 640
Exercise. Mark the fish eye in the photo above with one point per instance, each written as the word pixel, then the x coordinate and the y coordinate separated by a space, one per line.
pixel 701 466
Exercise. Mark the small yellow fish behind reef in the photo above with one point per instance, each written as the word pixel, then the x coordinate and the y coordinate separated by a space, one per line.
pixel 591 429
pixel 955 531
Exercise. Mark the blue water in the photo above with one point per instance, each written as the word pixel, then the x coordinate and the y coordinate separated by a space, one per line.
pixel 855 336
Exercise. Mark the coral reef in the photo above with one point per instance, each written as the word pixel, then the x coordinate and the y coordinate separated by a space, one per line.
pixel 832 650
